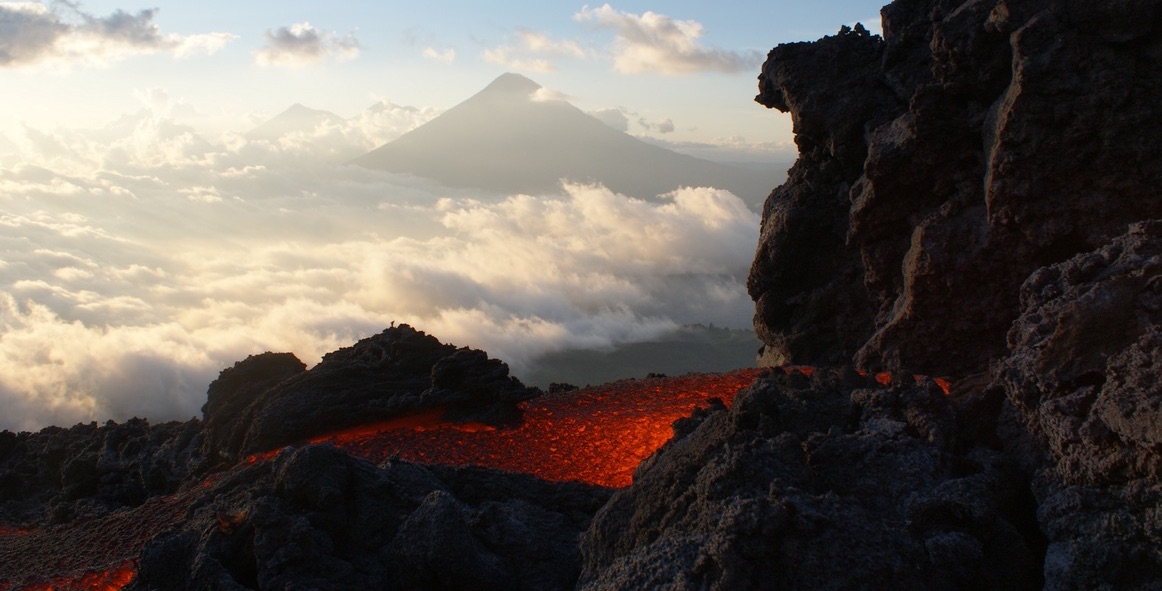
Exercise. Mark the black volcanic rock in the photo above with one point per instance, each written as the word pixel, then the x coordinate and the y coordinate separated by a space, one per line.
pixel 236 389
pixel 1084 376
pixel 940 166
pixel 504 139
pixel 318 518
pixel 267 401
pixel 824 483
pixel 58 475
pixel 810 304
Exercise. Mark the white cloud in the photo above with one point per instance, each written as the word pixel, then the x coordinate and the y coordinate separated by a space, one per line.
pixel 615 118
pixel 446 56
pixel 543 94
pixel 202 44
pixel 658 44
pixel 32 34
pixel 141 322
pixel 533 51
pixel 664 126
pixel 131 274
pixel 302 44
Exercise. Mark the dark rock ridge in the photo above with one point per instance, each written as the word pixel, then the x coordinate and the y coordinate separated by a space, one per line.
pixel 828 482
pixel 942 164
pixel 271 400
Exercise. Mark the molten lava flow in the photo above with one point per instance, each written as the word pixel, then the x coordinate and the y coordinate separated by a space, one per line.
pixel 597 435
pixel 94 553
pixel 107 579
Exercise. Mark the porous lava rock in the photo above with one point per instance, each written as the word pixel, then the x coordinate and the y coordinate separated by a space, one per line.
pixel 57 475
pixel 315 517
pixel 268 401
pixel 1085 376
pixel 828 482
pixel 939 166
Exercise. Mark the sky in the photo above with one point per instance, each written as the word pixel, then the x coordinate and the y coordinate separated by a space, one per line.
pixel 691 63
pixel 147 241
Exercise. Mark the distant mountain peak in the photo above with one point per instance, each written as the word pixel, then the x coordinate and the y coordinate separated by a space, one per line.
pixel 511 84
pixel 502 140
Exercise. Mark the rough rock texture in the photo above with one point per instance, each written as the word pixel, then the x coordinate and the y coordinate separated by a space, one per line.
pixel 830 482
pixel 969 176
pixel 1085 374
pixel 236 389
pixel 975 143
pixel 57 475
pixel 316 518
pixel 268 401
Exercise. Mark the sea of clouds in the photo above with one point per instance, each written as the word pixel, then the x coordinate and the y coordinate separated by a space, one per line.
pixel 140 259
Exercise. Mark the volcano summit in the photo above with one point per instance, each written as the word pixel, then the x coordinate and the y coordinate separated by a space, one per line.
pixel 508 138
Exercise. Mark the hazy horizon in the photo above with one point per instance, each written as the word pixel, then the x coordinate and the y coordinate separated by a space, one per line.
pixel 141 254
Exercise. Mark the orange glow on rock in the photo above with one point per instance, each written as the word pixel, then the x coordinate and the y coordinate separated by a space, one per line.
pixel 944 385
pixel 806 370
pixel 596 435
pixel 107 579
pixel 884 378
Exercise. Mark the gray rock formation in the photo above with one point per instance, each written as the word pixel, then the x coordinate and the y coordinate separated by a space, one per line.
pixel 1084 374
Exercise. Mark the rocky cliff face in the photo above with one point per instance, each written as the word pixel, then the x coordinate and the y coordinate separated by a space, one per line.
pixel 941 165
pixel 972 199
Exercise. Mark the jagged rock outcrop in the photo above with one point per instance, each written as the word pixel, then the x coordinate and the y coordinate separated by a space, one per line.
pixel 830 482
pixel 317 518
pixel 975 143
pixel 983 187
pixel 57 475
pixel 268 401
pixel 234 391
pixel 1085 374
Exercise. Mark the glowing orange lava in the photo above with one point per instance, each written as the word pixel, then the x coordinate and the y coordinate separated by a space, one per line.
pixel 106 579
pixel 597 435
pixel 806 370
pixel 944 385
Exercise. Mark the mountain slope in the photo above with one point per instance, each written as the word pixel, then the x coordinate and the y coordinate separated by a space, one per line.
pixel 503 139
pixel 296 119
